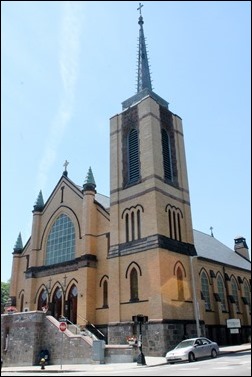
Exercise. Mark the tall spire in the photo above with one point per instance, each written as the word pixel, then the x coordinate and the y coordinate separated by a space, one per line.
pixel 143 76
pixel 144 87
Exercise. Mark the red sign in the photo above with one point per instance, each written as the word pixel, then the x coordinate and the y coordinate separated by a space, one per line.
pixel 62 326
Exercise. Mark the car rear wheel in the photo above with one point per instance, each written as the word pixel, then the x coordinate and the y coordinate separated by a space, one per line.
pixel 213 353
pixel 191 357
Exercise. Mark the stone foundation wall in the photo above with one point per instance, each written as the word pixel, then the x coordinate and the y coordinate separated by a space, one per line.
pixel 158 337
pixel 24 335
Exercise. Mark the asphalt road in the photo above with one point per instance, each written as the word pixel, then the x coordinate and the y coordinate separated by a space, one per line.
pixel 237 364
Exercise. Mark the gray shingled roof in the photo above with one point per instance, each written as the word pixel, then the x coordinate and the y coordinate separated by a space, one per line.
pixel 210 248
pixel 103 200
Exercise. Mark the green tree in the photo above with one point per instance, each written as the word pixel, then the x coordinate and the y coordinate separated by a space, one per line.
pixel 5 288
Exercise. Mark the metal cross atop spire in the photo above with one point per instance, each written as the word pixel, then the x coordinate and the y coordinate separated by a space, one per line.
pixel 140 6
pixel 65 165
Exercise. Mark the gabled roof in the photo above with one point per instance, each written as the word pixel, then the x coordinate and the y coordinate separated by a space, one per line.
pixel 210 248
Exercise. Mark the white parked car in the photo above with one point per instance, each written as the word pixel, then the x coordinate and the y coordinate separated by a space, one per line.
pixel 192 349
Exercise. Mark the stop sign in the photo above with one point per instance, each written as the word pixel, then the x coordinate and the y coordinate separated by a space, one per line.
pixel 62 326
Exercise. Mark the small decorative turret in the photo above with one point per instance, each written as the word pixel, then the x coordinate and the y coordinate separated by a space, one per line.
pixel 39 205
pixel 89 183
pixel 241 247
pixel 18 245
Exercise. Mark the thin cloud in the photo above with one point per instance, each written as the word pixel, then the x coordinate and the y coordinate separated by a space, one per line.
pixel 69 51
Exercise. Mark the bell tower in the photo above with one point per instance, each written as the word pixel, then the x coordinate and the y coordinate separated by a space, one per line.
pixel 150 203
pixel 150 213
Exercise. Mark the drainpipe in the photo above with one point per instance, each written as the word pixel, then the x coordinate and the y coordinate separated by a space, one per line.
pixel 195 302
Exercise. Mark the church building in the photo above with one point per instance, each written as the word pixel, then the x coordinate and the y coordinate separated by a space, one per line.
pixel 107 261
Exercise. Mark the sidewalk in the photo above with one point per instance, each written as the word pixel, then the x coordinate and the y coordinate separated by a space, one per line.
pixel 150 362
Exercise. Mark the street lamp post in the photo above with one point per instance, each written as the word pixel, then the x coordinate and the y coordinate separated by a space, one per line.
pixel 140 318
pixel 195 302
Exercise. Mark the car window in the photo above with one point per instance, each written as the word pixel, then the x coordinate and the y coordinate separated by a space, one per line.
pixel 205 341
pixel 185 343
pixel 198 342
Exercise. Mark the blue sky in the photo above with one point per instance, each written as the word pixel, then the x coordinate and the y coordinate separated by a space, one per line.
pixel 68 66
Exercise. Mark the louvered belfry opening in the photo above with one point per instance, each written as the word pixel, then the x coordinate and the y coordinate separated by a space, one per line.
pixel 166 155
pixel 130 147
pixel 133 156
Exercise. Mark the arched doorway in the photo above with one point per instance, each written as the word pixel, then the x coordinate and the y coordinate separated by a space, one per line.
pixel 42 300
pixel 71 304
pixel 56 304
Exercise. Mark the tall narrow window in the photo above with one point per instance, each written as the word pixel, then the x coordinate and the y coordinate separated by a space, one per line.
pixel 133 285
pixel 127 227
pixel 170 223
pixel 105 294
pixel 132 226
pixel 138 224
pixel 247 294
pixel 180 284
pixel 205 290
pixel 133 156
pixel 174 225
pixel 235 294
pixel 221 292
pixel 179 227
pixel 167 155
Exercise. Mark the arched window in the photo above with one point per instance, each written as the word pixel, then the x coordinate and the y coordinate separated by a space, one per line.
pixel 167 155
pixel 133 285
pixel 221 292
pixel 105 294
pixel 132 218
pixel 205 290
pixel 133 156
pixel 60 245
pixel 235 294
pixel 247 294
pixel 180 284
pixel 174 222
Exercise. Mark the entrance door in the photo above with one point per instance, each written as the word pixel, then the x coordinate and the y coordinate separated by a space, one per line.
pixel 57 303
pixel 72 304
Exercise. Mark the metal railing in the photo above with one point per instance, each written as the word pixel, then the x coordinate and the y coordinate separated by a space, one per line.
pixel 84 331
pixel 92 325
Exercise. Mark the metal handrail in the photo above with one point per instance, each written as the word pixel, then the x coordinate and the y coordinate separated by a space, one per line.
pixel 91 325
pixel 89 333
